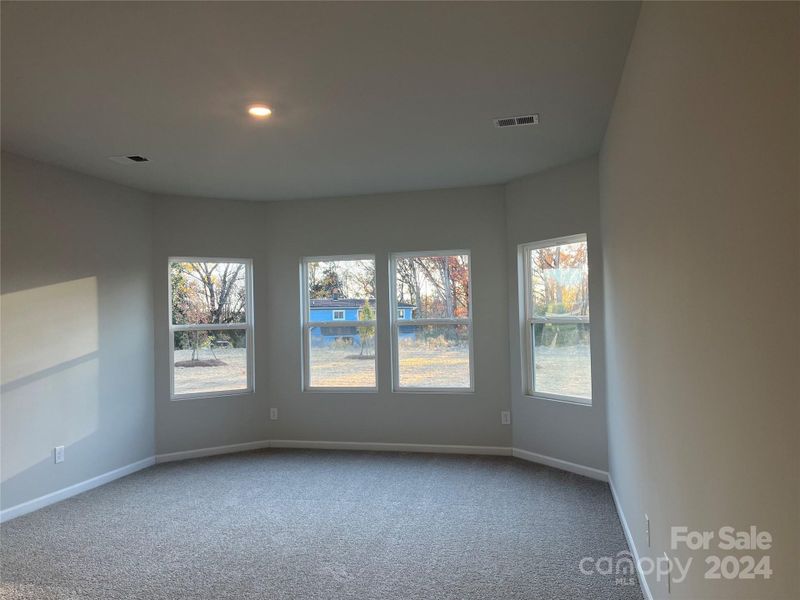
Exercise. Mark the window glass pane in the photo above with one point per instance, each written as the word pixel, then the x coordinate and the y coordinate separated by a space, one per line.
pixel 210 361
pixel 560 280
pixel 208 292
pixel 435 356
pixel 433 287
pixel 341 290
pixel 341 357
pixel 562 359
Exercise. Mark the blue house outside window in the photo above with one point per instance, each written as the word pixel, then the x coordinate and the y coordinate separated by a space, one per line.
pixel 347 309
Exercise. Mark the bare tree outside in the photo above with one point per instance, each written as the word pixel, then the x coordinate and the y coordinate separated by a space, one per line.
pixel 437 286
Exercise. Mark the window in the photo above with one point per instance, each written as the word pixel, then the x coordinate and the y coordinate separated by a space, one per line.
pixel 556 329
pixel 211 327
pixel 339 352
pixel 433 345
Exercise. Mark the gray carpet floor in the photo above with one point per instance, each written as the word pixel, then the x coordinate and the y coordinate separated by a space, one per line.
pixel 288 524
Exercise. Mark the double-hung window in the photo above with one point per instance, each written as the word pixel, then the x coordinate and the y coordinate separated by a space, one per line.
pixel 556 327
pixel 211 327
pixel 339 350
pixel 432 340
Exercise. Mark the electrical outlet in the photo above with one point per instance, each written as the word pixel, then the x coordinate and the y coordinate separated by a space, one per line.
pixel 647 529
pixel 58 453
pixel 273 414
pixel 505 417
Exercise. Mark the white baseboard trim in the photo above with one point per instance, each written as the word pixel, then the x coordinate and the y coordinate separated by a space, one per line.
pixel 642 579
pixel 73 490
pixel 564 465
pixel 212 451
pixel 392 447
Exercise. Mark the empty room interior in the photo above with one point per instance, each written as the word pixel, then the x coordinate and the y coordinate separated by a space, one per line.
pixel 400 300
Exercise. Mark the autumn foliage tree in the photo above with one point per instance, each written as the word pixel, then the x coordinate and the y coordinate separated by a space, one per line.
pixel 560 282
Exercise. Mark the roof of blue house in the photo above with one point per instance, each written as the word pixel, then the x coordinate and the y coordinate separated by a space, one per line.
pixel 348 303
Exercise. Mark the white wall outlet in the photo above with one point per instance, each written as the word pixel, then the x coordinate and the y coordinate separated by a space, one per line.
pixel 273 414
pixel 647 529
pixel 58 454
pixel 505 417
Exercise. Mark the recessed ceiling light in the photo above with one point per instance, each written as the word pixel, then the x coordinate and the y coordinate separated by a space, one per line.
pixel 259 111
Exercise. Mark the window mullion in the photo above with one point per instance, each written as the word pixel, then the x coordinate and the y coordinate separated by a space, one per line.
pixel 208 326
pixel 560 320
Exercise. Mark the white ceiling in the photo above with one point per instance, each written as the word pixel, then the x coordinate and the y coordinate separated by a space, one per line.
pixel 368 97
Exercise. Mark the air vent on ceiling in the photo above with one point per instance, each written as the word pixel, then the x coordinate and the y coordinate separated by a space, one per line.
pixel 517 121
pixel 127 160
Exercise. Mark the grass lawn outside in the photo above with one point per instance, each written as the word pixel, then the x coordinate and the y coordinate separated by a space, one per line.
pixel 230 376
pixel 564 370
pixel 561 370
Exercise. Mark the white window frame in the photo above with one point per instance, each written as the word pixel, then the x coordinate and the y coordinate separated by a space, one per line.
pixel 395 325
pixel 339 310
pixel 248 326
pixel 528 319
pixel 308 324
pixel 401 313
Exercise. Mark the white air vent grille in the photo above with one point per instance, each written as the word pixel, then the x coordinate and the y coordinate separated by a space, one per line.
pixel 517 121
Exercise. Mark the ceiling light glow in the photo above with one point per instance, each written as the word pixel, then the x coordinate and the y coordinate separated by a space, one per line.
pixel 259 111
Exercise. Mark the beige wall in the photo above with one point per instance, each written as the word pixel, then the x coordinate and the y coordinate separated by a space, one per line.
pixel 699 194
pixel 556 203
pixel 77 328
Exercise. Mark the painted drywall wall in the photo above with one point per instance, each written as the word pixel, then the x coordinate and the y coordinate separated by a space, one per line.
pixel 276 236
pixel 213 229
pixel 699 195
pixel 77 328
pixel 556 203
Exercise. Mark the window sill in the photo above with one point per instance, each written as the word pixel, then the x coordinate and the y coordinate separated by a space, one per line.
pixel 575 401
pixel 449 391
pixel 339 390
pixel 207 395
